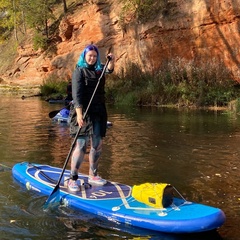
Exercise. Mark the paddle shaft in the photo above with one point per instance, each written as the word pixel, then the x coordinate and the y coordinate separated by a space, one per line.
pixel 79 129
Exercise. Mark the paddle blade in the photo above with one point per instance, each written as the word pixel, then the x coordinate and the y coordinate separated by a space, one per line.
pixel 53 200
pixel 53 113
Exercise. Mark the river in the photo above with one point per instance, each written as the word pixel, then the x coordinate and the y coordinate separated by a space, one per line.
pixel 197 151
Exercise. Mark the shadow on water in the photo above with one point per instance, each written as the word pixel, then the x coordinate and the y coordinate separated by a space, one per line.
pixel 112 230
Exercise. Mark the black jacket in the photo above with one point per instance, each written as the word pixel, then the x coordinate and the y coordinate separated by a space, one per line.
pixel 84 81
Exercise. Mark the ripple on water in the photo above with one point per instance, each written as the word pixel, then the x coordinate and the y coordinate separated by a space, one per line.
pixel 195 151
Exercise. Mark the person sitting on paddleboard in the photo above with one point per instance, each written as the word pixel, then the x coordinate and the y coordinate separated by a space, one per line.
pixel 86 77
pixel 69 91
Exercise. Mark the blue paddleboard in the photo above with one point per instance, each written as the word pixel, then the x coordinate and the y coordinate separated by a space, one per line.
pixel 114 202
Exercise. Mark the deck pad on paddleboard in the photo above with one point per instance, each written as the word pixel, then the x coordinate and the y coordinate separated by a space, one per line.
pixel 114 202
pixel 48 175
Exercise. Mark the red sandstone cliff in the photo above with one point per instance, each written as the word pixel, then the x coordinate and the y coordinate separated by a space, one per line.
pixel 196 29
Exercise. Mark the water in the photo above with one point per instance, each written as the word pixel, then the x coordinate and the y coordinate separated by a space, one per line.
pixel 196 151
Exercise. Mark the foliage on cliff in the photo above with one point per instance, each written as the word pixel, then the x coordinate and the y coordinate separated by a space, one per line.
pixel 165 54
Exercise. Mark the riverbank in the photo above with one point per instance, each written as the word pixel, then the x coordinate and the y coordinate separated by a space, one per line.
pixel 8 89
pixel 26 91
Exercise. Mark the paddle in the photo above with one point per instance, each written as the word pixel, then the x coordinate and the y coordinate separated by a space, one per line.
pixel 55 112
pixel 54 197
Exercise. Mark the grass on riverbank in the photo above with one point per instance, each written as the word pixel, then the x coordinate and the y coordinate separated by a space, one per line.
pixel 178 83
pixel 53 87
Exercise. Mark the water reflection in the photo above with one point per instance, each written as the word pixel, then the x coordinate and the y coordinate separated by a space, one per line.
pixel 196 151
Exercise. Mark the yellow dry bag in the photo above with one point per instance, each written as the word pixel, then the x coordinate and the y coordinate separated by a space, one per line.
pixel 158 195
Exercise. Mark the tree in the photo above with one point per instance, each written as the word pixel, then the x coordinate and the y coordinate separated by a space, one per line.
pixel 7 19
pixel 64 6
pixel 12 16
pixel 38 14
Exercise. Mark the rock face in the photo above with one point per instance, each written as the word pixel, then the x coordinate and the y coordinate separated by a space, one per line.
pixel 196 30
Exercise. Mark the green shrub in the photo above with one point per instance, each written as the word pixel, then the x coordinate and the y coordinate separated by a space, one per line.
pixel 144 11
pixel 53 86
pixel 178 82
pixel 40 42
